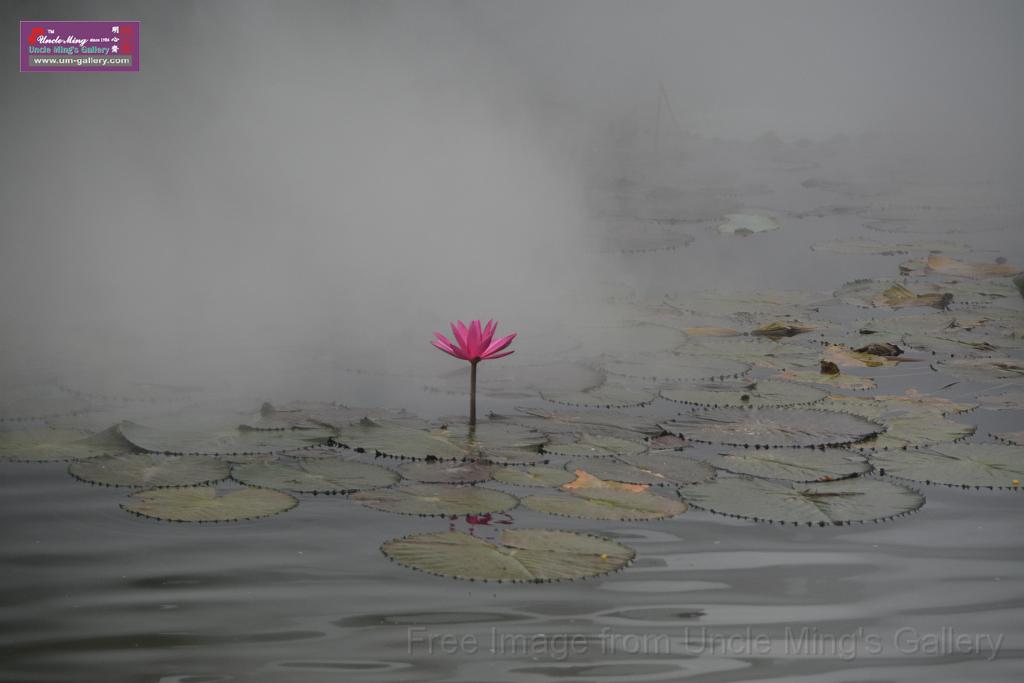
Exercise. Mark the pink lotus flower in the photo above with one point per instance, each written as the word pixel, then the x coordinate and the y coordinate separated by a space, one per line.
pixel 474 344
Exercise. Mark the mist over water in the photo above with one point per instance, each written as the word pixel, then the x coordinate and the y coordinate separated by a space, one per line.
pixel 289 188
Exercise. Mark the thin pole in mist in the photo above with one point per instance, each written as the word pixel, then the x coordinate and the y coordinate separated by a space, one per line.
pixel 474 343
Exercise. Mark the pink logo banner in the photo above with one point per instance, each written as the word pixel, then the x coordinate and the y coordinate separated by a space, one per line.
pixel 80 45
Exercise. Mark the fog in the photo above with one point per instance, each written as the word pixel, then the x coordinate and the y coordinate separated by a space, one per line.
pixel 284 185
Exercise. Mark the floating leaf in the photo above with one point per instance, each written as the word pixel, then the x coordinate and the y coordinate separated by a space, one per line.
pixel 606 504
pixel 436 499
pixel 937 263
pixel 1009 400
pixel 585 480
pixel 22 403
pixel 884 293
pixel 675 368
pixel 984 369
pixel 867 247
pixel 185 435
pixel 148 470
pixel 531 555
pixel 513 381
pixel 605 396
pixel 912 402
pixel 711 331
pixel 1016 438
pixel 772 427
pixel 591 445
pixel 43 444
pixel 469 472
pixel 795 464
pixel 744 394
pixel 314 475
pixel 747 224
pixel 841 381
pixel 821 503
pixel 746 305
pixel 533 476
pixel 848 358
pixel 670 467
pixel 961 464
pixel 917 430
pixel 780 329
pixel 757 351
pixel 387 438
pixel 560 422
pixel 207 504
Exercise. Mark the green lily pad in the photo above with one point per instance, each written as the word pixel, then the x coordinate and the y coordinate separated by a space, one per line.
pixel 606 504
pixel 768 427
pixel 385 438
pixel 820 503
pixel 757 351
pixel 187 436
pixel 23 403
pixel 149 470
pixel 436 499
pixel 605 396
pixel 1015 438
pixel 314 475
pixel 959 464
pixel 795 464
pixel 533 476
pixel 560 422
pixel 906 431
pixel 1007 400
pixel 890 294
pixel 674 368
pixel 591 445
pixel 747 305
pixel 207 504
pixel 747 224
pixel 669 467
pixel 744 394
pixel 44 444
pixel 530 555
pixel 883 407
pixel 857 247
pixel 469 472
pixel 840 381
pixel 650 468
pixel 512 381
pixel 984 369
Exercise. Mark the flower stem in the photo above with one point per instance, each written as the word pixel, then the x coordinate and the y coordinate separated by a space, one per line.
pixel 472 393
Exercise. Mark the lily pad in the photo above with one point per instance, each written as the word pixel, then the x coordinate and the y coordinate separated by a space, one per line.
pixel 591 445
pixel 676 368
pixel 820 503
pixel 984 369
pixel 436 499
pixel 314 475
pixel 747 224
pixel 386 438
pixel 469 472
pixel 906 431
pixel 604 396
pixel 937 263
pixel 560 422
pixel 511 381
pixel 839 381
pixel 744 394
pixel 670 467
pixel 606 504
pixel 148 470
pixel 858 247
pixel 533 476
pixel 207 504
pixel 186 436
pixel 44 444
pixel 889 294
pixel 530 555
pixel 772 427
pixel 960 464
pixel 23 403
pixel 795 464
pixel 1015 438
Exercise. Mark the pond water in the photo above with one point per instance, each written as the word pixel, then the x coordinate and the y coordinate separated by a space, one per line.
pixel 92 593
